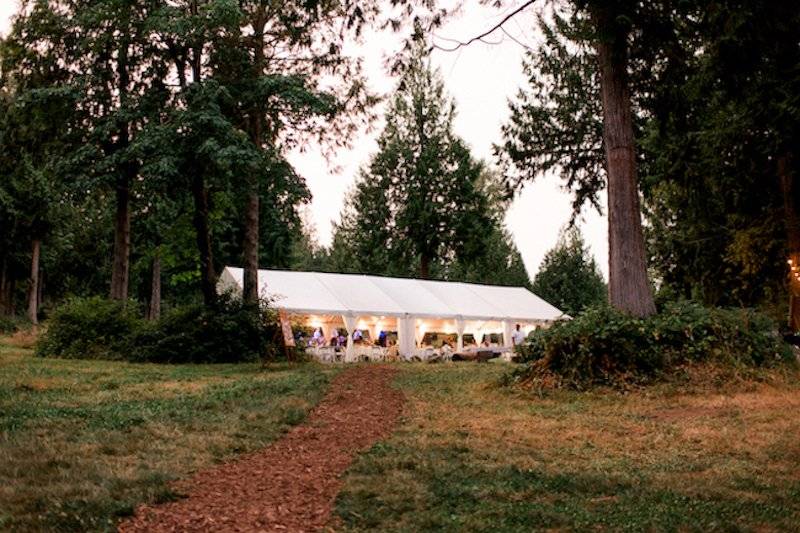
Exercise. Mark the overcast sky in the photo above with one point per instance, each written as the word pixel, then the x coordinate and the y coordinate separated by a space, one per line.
pixel 480 78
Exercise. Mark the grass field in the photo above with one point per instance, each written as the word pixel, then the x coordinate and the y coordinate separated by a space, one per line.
pixel 82 442
pixel 471 456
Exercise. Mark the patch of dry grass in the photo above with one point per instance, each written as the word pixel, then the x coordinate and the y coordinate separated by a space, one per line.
pixel 472 455
pixel 23 338
pixel 83 442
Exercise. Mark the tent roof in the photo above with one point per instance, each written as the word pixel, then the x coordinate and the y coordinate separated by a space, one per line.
pixel 358 294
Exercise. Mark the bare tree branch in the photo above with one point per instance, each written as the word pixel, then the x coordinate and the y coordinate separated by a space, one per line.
pixel 491 30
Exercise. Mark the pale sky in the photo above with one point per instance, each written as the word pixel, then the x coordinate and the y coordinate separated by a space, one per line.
pixel 481 78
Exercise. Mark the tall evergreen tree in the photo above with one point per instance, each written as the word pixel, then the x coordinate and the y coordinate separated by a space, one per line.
pixel 569 277
pixel 108 51
pixel 275 67
pixel 606 34
pixel 364 239
pixel 37 150
pixel 423 206
pixel 713 89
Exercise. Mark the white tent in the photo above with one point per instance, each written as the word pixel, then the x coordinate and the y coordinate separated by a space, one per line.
pixel 413 303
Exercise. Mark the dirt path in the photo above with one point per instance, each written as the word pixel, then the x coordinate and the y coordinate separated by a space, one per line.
pixel 290 485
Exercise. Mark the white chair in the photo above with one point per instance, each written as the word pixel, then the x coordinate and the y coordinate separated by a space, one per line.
pixel 424 353
pixel 329 354
pixel 362 352
pixel 377 354
pixel 323 354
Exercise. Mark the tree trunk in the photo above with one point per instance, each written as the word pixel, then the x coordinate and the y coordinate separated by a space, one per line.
pixel 33 289
pixel 40 292
pixel 12 291
pixel 122 241
pixel 120 268
pixel 424 266
pixel 251 215
pixel 6 295
pixel 786 179
pixel 202 228
pixel 154 309
pixel 208 277
pixel 628 286
pixel 250 249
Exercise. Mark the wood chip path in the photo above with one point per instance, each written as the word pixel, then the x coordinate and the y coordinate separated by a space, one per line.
pixel 290 485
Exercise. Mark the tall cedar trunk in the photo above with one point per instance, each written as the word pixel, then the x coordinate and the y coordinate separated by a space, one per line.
pixel 154 309
pixel 250 249
pixel 33 289
pixel 786 178
pixel 41 286
pixel 122 241
pixel 208 277
pixel 628 287
pixel 251 215
pixel 6 296
pixel 122 219
pixel 419 117
pixel 424 267
pixel 12 291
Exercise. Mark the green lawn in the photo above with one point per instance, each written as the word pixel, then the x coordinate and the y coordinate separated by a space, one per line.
pixel 472 456
pixel 82 442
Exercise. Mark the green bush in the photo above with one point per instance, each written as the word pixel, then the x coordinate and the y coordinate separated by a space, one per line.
pixel 228 332
pixel 12 324
pixel 603 346
pixel 90 328
pixel 95 328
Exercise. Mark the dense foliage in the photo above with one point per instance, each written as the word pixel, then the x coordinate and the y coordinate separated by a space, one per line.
pixel 145 141
pixel 144 145
pixel 230 331
pixel 714 90
pixel 10 324
pixel 605 347
pixel 720 144
pixel 569 277
pixel 91 328
pixel 96 328
pixel 423 206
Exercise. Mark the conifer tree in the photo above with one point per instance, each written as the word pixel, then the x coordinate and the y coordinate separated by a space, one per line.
pixel 416 206
pixel 568 276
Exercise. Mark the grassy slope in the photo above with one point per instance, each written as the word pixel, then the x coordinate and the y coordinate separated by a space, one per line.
pixel 82 442
pixel 473 456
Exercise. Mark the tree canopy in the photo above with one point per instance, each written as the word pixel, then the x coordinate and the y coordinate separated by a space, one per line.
pixel 144 144
pixel 713 92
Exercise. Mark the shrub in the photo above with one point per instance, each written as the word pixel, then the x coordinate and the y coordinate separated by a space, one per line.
pixel 7 324
pixel 90 328
pixel 228 332
pixel 604 346
pixel 95 328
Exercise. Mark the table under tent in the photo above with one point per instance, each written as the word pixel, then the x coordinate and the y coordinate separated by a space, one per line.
pixel 405 309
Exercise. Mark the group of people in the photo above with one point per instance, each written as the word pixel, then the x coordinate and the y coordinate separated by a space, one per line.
pixel 317 339
pixel 339 338
pixel 517 338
